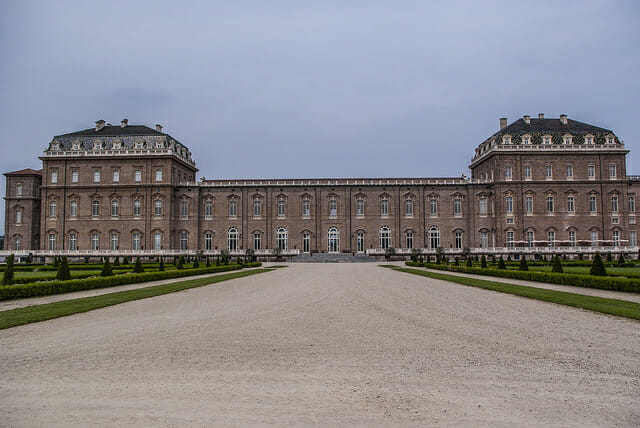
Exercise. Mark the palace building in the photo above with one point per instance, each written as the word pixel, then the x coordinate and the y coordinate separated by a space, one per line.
pixel 537 184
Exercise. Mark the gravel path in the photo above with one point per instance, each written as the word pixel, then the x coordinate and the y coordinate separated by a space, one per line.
pixel 314 344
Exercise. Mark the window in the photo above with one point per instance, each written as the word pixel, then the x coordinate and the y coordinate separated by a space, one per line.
pixel 74 176
pixel 53 208
pixel 509 204
pixel 54 177
pixel 591 172
pixel 548 172
pixel 73 208
pixel 157 207
pixel 73 241
pixel 281 238
pixel 281 207
pixel 567 140
pixel 18 215
pixel 52 242
pixel 484 239
pixel 614 204
pixel 306 242
pixel 569 172
pixel 527 172
pixel 116 175
pixel 434 237
pixel 257 241
pixel 137 175
pixel 549 204
pixel 433 207
pixel 632 204
pixel 333 208
pixel 458 239
pixel 96 176
pixel 306 208
pixel 457 207
pixel 483 206
pixel 333 240
pixel 385 237
pixel 571 204
pixel 233 209
pixel 95 241
pixel 594 238
pixel 572 238
pixel 157 241
pixel 526 140
pixel 208 241
pixel 257 208
pixel 384 207
pixel 528 204
pixel 16 243
pixel 115 208
pixel 409 239
pixel 593 208
pixel 136 241
pixel 615 220
pixel 184 209
pixel 588 140
pixel 208 210
pixel 408 207
pixel 633 239
pixel 507 173
pixel 95 208
pixel 19 189
pixel 114 241
pixel 137 204
pixel 183 241
pixel 632 220
pixel 612 171
pixel 360 207
pixel 158 175
pixel 551 237
pixel 360 242
pixel 616 238
pixel 530 238
pixel 546 140
pixel 510 238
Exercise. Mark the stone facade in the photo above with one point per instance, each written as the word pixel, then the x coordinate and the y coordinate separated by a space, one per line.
pixel 535 183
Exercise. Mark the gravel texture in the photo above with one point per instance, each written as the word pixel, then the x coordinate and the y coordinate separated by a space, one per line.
pixel 312 344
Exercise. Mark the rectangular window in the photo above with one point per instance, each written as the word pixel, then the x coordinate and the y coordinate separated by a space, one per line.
pixel 633 239
pixel 257 208
pixel 550 207
pixel 19 189
pixel 510 238
pixel 569 172
pixel 281 208
pixel 548 172
pixel 18 216
pixel 530 238
pixel 612 171
pixel 158 175
pixel 551 237
pixel 137 175
pixel 507 173
pixel 208 210
pixel 593 208
pixel 96 176
pixel 614 204
pixel 53 209
pixel 483 206
pixel 136 241
pixel 183 240
pixel 333 208
pixel 137 207
pixel 528 204
pixel 632 204
pixel 616 238
pixel 384 207
pixel 184 209
pixel 360 242
pixel 409 239
pixel 114 241
pixel 457 207
pixel 306 242
pixel 360 207
pixel 572 238
pixel 157 207
pixel 509 204
pixel 115 208
pixel 591 172
pixel 257 241
pixel 458 240
pixel 95 241
pixel 409 209
pixel 233 209
pixel 527 172
pixel 95 208
pixel 594 238
pixel 16 243
pixel 571 204
pixel 73 241
pixel 208 241
pixel 306 208
pixel 433 207
pixel 632 220
pixel 52 242
pixel 484 240
pixel 157 241
pixel 74 176
pixel 116 175
pixel 54 177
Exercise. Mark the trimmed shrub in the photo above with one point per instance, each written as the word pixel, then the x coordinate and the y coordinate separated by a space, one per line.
pixel 208 264
pixel 116 261
pixel 196 264
pixel 64 274
pixel 483 262
pixel 609 258
pixel 469 263
pixel 161 265
pixel 106 268
pixel 501 264
pixel 180 263
pixel 621 260
pixel 456 263
pixel 523 264
pixel 7 276
pixel 125 260
pixel 137 268
pixel 557 265
pixel 224 254
pixel 597 267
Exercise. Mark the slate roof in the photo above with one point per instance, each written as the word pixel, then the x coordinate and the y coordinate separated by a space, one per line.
pixel 26 171
pixel 552 126
pixel 115 131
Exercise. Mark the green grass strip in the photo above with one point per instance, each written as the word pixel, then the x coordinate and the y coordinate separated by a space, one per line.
pixel 47 311
pixel 621 308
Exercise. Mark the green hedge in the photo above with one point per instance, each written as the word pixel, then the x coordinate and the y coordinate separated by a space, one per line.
pixel 587 281
pixel 45 288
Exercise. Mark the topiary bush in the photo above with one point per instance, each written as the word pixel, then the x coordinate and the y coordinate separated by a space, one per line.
pixel 523 267
pixel 64 274
pixel 469 263
pixel 483 262
pixel 180 263
pixel 621 260
pixel 106 268
pixel 501 264
pixel 116 261
pixel 161 265
pixel 137 268
pixel 557 265
pixel 597 267
pixel 7 276
pixel 196 264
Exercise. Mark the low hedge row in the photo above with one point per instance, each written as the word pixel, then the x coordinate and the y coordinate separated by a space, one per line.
pixel 46 288
pixel 587 281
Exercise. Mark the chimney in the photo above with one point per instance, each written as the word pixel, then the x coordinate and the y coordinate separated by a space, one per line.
pixel 527 119
pixel 158 128
pixel 124 123
pixel 540 115
pixel 503 123
pixel 563 119
pixel 100 124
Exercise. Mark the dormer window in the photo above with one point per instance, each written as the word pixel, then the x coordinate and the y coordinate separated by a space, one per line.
pixel 117 145
pixel 506 139
pixel 55 146
pixel 97 146
pixel 546 140
pixel 588 140
pixel 567 139
pixel 159 145
pixel 610 140
pixel 138 145
pixel 76 146
pixel 526 140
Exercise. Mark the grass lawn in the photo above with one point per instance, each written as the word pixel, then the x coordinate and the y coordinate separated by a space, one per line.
pixel 621 308
pixel 36 313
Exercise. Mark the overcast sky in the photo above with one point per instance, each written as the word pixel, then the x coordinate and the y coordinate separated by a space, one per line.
pixel 315 88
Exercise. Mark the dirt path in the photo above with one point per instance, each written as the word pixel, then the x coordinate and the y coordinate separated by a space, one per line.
pixel 344 344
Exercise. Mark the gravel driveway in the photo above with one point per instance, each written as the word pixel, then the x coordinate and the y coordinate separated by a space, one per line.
pixel 313 344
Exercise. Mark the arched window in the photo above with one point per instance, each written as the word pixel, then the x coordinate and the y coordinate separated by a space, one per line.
pixel 232 239
pixel 434 237
pixel 334 240
pixel 385 237
pixel 281 238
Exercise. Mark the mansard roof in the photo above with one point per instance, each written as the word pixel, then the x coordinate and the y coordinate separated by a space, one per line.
pixel 115 131
pixel 551 126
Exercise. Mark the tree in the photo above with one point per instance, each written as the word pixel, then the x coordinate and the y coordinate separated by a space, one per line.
pixel 483 262
pixel 125 260
pixel 597 267
pixel 196 263
pixel 161 265
pixel 7 276
pixel 106 268
pixel 208 264
pixel 224 255
pixel 116 261
pixel 469 264
pixel 523 263
pixel 557 265
pixel 137 268
pixel 508 257
pixel 180 264
pixel 621 260
pixel 501 264
pixel 609 258
pixel 63 274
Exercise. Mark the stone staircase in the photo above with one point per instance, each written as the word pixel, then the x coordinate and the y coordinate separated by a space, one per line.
pixel 333 258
